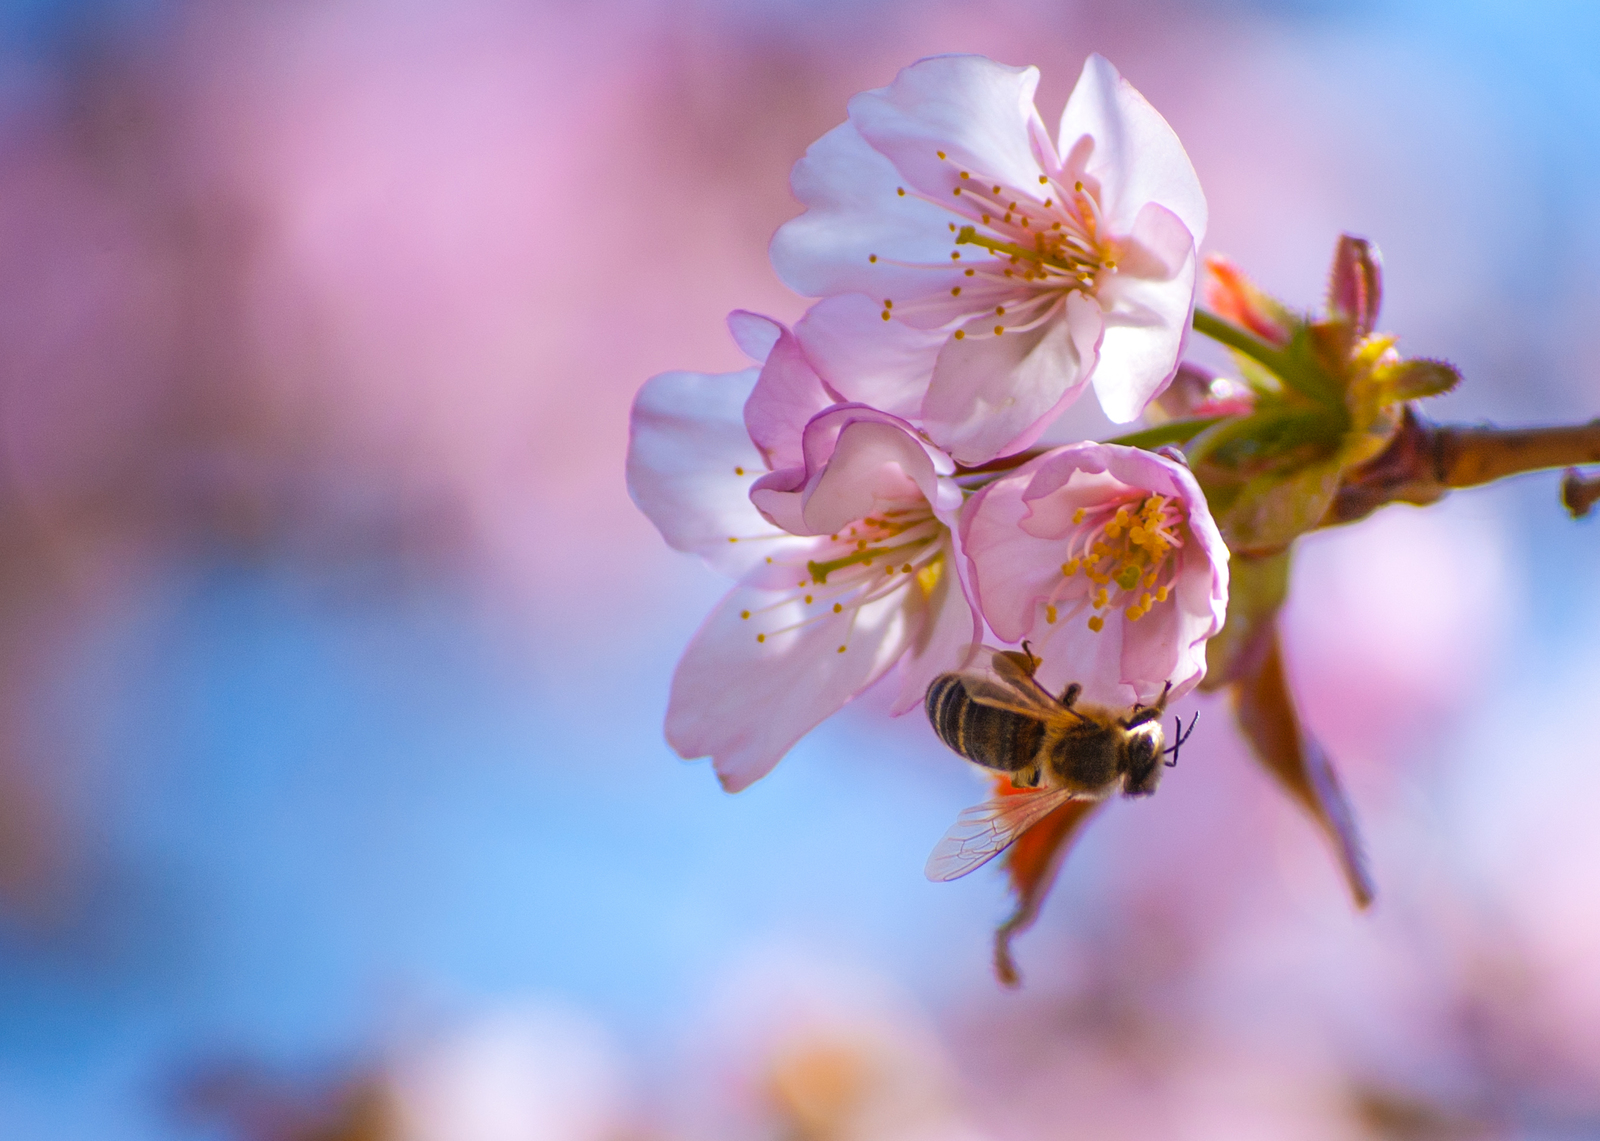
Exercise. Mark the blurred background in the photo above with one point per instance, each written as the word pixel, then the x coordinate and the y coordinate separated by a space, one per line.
pixel 333 656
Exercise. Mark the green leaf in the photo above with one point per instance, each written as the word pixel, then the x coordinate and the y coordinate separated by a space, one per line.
pixel 1172 432
pixel 1418 378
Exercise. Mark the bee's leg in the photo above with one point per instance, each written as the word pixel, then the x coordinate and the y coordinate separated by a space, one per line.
pixel 1070 695
pixel 1027 776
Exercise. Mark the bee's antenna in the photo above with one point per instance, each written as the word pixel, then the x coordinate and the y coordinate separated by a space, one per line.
pixel 1183 735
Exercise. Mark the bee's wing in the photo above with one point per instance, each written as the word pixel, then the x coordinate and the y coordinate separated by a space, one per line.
pixel 1004 684
pixel 985 830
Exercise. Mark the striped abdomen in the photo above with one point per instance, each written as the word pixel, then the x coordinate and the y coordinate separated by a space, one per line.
pixel 995 738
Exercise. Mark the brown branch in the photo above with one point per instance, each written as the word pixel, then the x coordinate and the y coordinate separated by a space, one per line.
pixel 1424 460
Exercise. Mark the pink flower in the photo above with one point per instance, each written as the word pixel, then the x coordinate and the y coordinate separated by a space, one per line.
pixel 835 519
pixel 976 277
pixel 1107 559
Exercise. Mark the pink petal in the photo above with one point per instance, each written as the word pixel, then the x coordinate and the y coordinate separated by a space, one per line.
pixel 864 358
pixel 854 212
pixel 858 461
pixel 754 334
pixel 1136 157
pixel 744 703
pixel 993 395
pixel 1148 303
pixel 787 394
pixel 691 465
pixel 978 112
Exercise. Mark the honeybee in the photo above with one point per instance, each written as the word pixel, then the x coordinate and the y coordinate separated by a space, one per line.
pixel 1060 749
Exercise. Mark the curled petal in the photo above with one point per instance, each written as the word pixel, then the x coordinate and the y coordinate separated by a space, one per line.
pixel 787 394
pixel 1135 155
pixel 858 461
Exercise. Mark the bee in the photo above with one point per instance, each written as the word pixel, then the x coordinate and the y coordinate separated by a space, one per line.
pixel 1059 748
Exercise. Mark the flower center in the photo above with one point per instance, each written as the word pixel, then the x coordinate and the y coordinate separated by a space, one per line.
pixel 1043 243
pixel 1128 552
pixel 871 559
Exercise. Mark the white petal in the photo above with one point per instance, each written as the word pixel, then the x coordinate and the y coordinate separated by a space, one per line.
pixel 1136 157
pixel 744 703
pixel 1148 303
pixel 886 364
pixel 854 212
pixel 993 395
pixel 687 446
pixel 978 112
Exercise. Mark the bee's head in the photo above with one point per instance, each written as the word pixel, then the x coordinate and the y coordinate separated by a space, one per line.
pixel 1141 766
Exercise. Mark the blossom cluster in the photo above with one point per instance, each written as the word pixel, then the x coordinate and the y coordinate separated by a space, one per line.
pixel 872 481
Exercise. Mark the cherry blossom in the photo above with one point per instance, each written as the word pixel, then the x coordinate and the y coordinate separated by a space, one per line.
pixel 1107 559
pixel 975 276
pixel 836 520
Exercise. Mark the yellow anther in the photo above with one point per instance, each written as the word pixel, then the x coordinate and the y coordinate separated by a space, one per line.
pixel 744 614
pixel 1134 613
pixel 885 314
pixel 997 190
pixel 1077 516
pixel 955 291
pixel 906 569
pixel 838 608
pixel 808 600
pixel 1070 567
pixel 1161 594
pixel 841 649
pixel 998 329
pixel 986 218
pixel 901 191
pixel 732 539
pixel 970 272
pixel 1050 614
pixel 872 257
pixel 1043 179
pixel 964 174
pixel 999 310
pixel 957 192
pixel 738 471
pixel 959 334
pixel 887 303
pixel 939 153
pixel 1101 597
pixel 761 637
pixel 955 255
pixel 1097 623
pixel 1144 601
pixel 1078 186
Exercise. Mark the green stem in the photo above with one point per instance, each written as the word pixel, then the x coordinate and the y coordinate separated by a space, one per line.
pixel 1241 340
